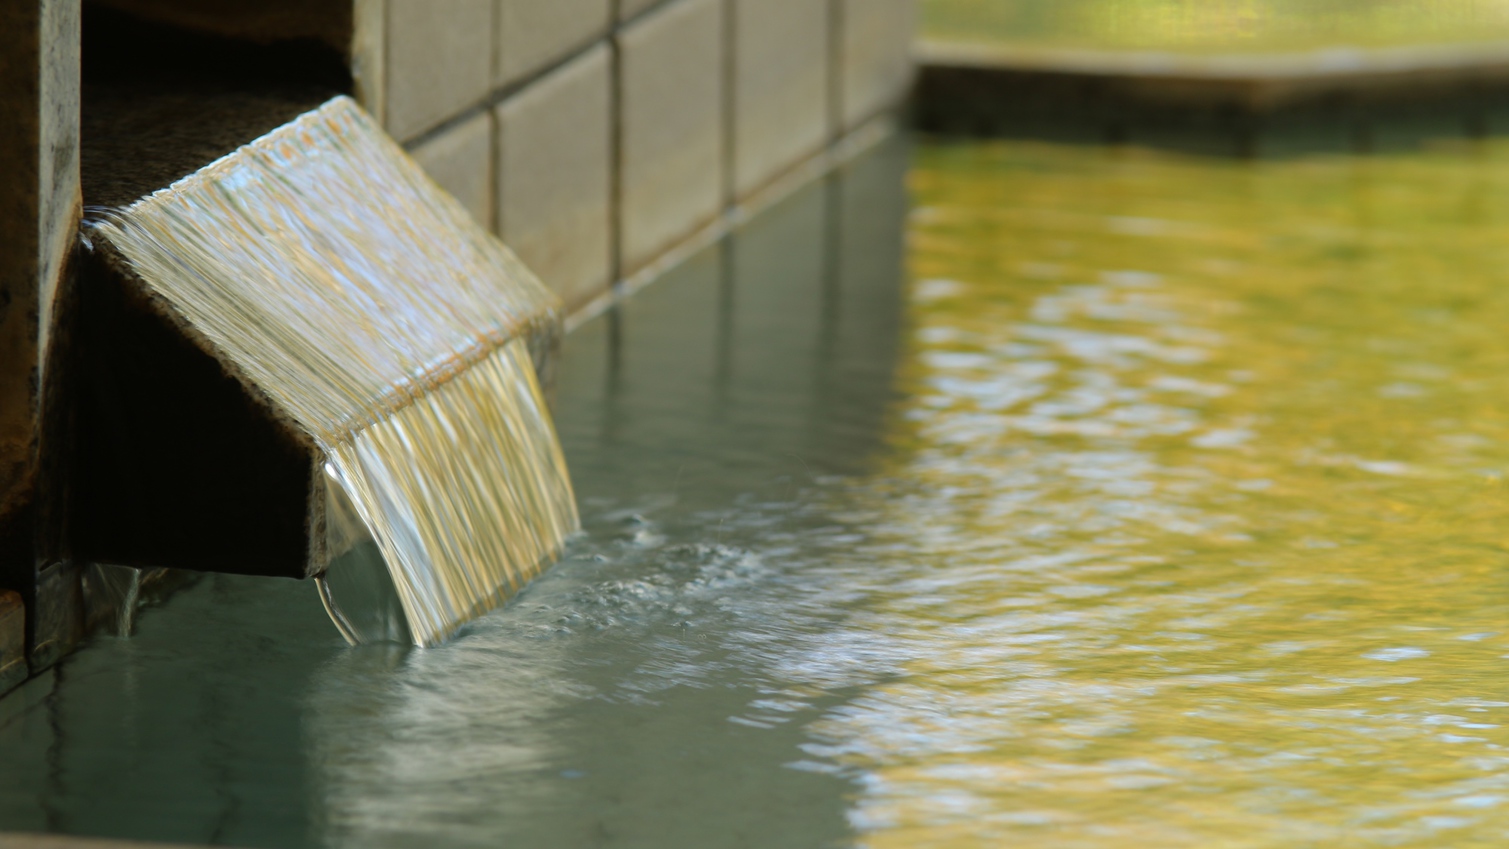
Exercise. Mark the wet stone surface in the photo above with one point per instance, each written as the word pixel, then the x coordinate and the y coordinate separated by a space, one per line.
pixel 12 641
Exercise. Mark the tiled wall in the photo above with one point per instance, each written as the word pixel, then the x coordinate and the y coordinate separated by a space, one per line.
pixel 594 136
pixel 597 137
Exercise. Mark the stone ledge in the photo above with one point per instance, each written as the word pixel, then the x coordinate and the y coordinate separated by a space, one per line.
pixel 1358 101
pixel 1256 81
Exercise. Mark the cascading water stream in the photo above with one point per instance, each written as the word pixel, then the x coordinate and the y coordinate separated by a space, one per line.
pixel 378 321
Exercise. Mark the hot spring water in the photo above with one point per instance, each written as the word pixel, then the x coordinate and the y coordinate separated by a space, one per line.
pixel 1162 505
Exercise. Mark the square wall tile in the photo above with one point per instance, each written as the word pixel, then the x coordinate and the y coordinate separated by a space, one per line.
pixel 460 160
pixel 369 49
pixel 876 55
pixel 439 61
pixel 554 176
pixel 629 8
pixel 533 34
pixel 780 87
pixel 671 62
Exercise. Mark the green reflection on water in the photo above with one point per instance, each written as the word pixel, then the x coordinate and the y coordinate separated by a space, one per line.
pixel 1201 473
pixel 1202 26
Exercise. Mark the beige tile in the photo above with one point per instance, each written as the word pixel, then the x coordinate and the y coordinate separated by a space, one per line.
pixel 629 8
pixel 533 34
pixel 369 66
pixel 554 176
pixel 672 127
pixel 12 641
pixel 876 57
pixel 439 61
pixel 780 90
pixel 460 160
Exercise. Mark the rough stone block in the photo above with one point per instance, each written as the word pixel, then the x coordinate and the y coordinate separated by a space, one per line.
pixel 460 160
pixel 780 87
pixel 439 61
pixel 39 209
pixel 672 127
pixel 533 34
pixel 12 640
pixel 554 177
pixel 875 52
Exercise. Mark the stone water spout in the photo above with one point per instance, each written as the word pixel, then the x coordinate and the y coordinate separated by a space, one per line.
pixel 329 357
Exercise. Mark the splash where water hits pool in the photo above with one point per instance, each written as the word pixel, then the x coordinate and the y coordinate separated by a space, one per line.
pixel 1148 500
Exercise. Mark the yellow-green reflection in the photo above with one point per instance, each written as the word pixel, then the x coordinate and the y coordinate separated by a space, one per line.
pixel 1201 473
pixel 1215 25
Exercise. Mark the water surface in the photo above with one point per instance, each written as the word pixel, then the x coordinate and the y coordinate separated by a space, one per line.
pixel 1197 505
pixel 1156 501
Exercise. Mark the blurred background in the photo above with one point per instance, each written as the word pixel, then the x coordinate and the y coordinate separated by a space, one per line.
pixel 1213 26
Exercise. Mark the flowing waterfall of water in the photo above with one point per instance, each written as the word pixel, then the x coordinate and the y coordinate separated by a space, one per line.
pixel 326 272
